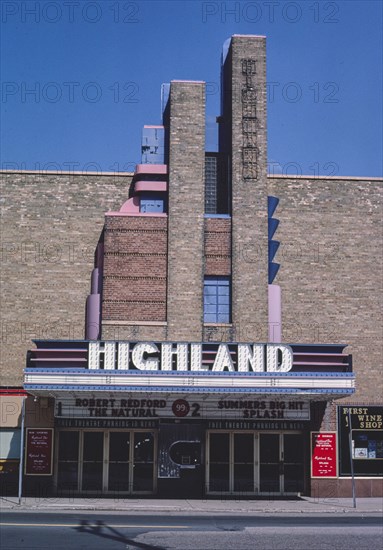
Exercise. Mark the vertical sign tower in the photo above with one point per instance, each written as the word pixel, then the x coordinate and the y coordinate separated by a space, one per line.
pixel 243 139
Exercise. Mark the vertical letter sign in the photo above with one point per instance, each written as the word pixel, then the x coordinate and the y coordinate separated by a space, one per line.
pixel 39 452
pixel 324 460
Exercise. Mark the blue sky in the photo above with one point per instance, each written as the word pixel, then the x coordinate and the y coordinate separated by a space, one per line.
pixel 80 78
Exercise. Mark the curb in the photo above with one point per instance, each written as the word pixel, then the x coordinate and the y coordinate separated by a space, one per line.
pixel 189 510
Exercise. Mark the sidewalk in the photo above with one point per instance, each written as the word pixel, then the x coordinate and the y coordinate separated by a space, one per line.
pixel 303 505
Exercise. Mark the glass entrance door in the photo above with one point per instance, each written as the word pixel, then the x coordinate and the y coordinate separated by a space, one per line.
pixel 281 463
pixel 219 463
pixel 143 462
pixel 131 462
pixel 293 463
pixel 243 463
pixel 90 461
pixel 230 463
pixel 68 460
pixel 254 463
pixel 119 455
pixel 269 463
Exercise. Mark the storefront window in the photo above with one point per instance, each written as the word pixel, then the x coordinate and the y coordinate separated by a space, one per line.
pixel 366 440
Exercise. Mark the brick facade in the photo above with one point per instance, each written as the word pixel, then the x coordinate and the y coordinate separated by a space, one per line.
pixel 217 248
pixel 245 120
pixel 50 226
pixel 153 266
pixel 331 268
pixel 135 269
pixel 186 210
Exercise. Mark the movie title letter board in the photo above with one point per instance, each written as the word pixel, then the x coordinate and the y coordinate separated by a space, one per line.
pixel 39 452
pixel 324 461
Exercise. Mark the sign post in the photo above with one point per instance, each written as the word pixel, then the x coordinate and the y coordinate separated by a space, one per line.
pixel 351 459
pixel 21 465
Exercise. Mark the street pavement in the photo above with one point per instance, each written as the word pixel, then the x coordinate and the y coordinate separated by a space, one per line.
pixel 302 505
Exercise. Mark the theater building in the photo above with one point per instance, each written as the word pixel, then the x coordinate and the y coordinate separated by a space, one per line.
pixel 191 380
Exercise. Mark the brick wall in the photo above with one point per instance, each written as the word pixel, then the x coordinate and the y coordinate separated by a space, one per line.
pixel 249 186
pixel 186 210
pixel 135 269
pixel 217 246
pixel 331 269
pixel 50 226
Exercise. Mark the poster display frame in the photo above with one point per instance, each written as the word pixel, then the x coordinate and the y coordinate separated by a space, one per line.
pixel 334 451
pixel 28 468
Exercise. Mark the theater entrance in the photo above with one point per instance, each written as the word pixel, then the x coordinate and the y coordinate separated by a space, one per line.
pixel 180 460
pixel 106 461
pixel 254 463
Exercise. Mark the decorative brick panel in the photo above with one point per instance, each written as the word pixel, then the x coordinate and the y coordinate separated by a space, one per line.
pixel 135 265
pixel 217 246
pixel 218 265
pixel 135 242
pixel 136 332
pixel 131 310
pixel 136 223
pixel 135 269
pixel 142 289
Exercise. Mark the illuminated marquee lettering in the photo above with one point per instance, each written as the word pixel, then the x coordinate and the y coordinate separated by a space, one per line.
pixel 168 351
pixel 171 356
pixel 145 363
pixel 251 357
pixel 223 359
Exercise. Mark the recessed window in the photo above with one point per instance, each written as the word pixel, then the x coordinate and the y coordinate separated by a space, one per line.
pixel 217 300
pixel 216 184
pixel 152 204
pixel 211 184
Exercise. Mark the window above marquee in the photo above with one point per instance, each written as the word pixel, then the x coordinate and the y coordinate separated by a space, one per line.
pixel 217 300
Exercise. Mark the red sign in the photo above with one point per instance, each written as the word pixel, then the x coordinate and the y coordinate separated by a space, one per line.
pixel 39 452
pixel 324 461
pixel 180 407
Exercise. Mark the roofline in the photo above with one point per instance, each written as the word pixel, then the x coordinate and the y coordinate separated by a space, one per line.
pixel 125 174
pixel 188 81
pixel 312 177
pixel 248 35
pixel 67 172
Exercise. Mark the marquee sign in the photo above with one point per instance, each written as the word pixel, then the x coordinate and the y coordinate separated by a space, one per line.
pixel 184 368
pixel 169 356
pixel 102 423
pixel 196 408
pixel 172 356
